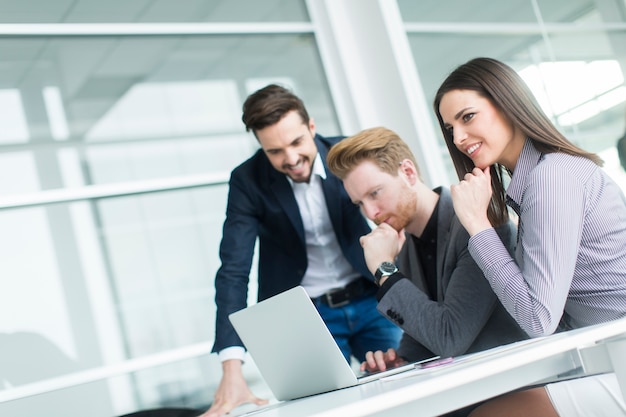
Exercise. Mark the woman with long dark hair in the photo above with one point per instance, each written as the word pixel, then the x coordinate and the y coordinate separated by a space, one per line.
pixel 569 269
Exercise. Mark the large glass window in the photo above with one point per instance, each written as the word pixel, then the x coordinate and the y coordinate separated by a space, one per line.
pixel 570 53
pixel 149 11
pixel 98 281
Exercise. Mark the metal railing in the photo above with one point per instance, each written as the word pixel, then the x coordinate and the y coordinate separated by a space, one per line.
pixel 104 372
pixel 92 192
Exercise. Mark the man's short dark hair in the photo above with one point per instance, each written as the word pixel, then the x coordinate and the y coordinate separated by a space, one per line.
pixel 269 105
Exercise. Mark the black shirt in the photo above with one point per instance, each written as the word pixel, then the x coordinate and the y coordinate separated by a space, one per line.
pixel 426 248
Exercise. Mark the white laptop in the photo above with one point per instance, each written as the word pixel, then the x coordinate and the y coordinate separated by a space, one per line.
pixel 293 349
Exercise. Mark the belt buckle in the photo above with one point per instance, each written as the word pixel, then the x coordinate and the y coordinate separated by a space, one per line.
pixel 331 303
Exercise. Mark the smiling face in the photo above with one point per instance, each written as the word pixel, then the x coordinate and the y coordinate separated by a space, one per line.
pixel 381 196
pixel 480 130
pixel 289 146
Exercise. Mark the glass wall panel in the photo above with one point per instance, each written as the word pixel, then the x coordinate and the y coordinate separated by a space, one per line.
pixel 576 74
pixel 152 11
pixel 105 280
pixel 510 11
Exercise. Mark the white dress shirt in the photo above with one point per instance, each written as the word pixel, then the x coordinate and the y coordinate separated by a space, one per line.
pixel 327 267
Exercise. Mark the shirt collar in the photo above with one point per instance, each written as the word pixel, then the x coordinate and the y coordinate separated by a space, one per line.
pixel 529 158
pixel 318 169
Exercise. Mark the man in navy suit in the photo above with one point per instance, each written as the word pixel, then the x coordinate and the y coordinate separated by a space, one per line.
pixel 308 232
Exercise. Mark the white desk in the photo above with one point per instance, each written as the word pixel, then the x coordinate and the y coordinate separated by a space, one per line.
pixel 472 378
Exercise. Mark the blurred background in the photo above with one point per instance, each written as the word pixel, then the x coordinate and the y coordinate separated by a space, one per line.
pixel 120 121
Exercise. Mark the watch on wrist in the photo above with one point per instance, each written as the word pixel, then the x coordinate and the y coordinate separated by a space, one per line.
pixel 384 270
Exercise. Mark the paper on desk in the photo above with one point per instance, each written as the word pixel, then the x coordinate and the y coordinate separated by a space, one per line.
pixel 424 369
pixel 462 358
pixel 407 374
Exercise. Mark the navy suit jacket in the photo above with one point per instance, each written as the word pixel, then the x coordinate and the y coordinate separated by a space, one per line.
pixel 261 204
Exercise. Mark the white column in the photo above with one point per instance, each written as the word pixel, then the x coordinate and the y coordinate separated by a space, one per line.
pixel 373 77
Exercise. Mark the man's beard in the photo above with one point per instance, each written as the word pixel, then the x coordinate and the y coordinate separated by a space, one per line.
pixel 404 212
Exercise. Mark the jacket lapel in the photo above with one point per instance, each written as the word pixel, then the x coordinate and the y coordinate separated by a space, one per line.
pixel 409 264
pixel 286 199
pixel 444 221
pixel 332 189
pixel 284 194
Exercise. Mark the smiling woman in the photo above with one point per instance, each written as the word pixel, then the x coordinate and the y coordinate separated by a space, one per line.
pixel 571 215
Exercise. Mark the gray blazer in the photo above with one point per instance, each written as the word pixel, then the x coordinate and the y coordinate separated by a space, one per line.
pixel 466 316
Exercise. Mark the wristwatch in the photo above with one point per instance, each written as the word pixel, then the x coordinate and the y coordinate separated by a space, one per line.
pixel 384 270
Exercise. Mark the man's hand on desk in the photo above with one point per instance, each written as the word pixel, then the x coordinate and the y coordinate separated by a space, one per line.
pixel 232 391
pixel 381 361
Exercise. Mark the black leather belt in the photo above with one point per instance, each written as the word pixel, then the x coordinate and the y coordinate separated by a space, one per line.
pixel 341 296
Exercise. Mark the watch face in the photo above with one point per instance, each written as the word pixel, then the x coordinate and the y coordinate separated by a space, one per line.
pixel 387 268
pixel 384 270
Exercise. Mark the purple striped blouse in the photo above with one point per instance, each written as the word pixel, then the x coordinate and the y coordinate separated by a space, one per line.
pixel 570 261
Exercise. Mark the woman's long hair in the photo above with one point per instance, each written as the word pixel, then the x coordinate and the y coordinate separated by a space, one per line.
pixel 506 90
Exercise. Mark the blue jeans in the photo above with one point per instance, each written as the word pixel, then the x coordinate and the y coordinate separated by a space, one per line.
pixel 358 327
